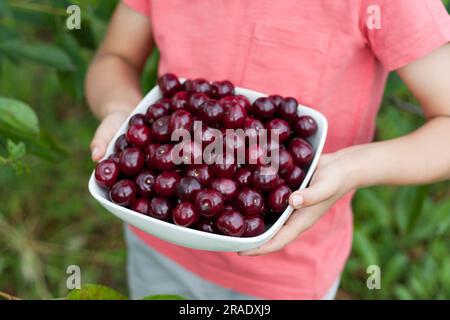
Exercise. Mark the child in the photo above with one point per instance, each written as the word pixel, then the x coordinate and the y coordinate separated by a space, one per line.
pixel 331 55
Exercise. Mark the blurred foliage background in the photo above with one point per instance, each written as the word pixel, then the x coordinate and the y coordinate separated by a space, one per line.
pixel 48 220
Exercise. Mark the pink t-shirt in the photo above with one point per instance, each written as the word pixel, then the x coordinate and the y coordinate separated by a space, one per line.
pixel 325 54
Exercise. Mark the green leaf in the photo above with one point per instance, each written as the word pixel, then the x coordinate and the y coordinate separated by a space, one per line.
pixel 95 292
pixel 18 116
pixel 164 297
pixel 364 248
pixel 41 53
pixel 16 150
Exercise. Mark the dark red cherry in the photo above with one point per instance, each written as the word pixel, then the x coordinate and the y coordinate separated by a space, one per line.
pixel 288 109
pixel 208 203
pixel 301 151
pixel 305 126
pixel 115 157
pixel 187 85
pixel 264 178
pixel 149 153
pixel 188 187
pixel 220 89
pixel 243 177
pixel 209 135
pixel 294 178
pixel 160 208
pixel 244 102
pixel 227 188
pixel 202 173
pixel 280 181
pixel 160 130
pixel 106 173
pixel 184 214
pixel 276 100
pixel 123 192
pixel 162 159
pixel 141 206
pixel 285 163
pixel 255 226
pixel 145 182
pixel 156 111
pixel 201 86
pixel 180 101
pixel 250 202
pixel 211 112
pixel 234 116
pixel 138 135
pixel 280 128
pixel 166 184
pixel 169 85
pixel 224 169
pixel 180 119
pixel 252 128
pixel 195 101
pixel 131 162
pixel 278 199
pixel 206 225
pixel 137 119
pixel 121 143
pixel 263 108
pixel 231 223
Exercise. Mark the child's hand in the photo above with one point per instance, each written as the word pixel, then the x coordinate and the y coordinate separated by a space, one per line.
pixel 331 181
pixel 105 132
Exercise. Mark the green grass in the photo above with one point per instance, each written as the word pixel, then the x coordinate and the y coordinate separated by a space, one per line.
pixel 48 220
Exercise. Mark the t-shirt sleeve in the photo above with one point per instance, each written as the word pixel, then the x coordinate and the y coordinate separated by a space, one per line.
pixel 141 6
pixel 405 30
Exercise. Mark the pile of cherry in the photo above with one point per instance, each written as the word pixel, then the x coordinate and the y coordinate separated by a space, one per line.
pixel 229 199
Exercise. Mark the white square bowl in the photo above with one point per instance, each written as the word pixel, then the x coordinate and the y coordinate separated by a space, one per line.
pixel 194 238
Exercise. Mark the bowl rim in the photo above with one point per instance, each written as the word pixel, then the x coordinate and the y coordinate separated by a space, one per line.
pixel 271 231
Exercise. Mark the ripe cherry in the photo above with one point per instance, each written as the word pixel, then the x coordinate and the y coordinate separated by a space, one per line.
pixel 255 226
pixel 278 199
pixel 131 162
pixel 200 86
pixel 166 183
pixel 305 126
pixel 106 173
pixel 195 101
pixel 184 214
pixel 169 84
pixel 288 109
pixel 263 108
pixel 188 187
pixel 162 159
pixel 250 202
pixel 180 119
pixel 160 208
pixel 243 177
pixel 285 161
pixel 206 225
pixel 208 203
pixel 138 135
pixel 234 116
pixel 145 182
pixel 137 119
pixel 276 100
pixel 123 192
pixel 231 223
pixel 220 89
pixel 141 206
pixel 227 188
pixel 301 151
pixel 294 178
pixel 149 153
pixel 156 111
pixel 280 128
pixel 180 101
pixel 160 130
pixel 121 144
pixel 264 178
pixel 202 173
pixel 211 112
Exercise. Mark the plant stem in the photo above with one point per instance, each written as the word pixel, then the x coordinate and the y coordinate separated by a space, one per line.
pixel 24 5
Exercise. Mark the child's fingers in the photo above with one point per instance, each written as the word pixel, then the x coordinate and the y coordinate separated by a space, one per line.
pixel 315 194
pixel 105 132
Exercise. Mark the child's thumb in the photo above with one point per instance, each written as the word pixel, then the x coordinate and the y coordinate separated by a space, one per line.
pixel 313 195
